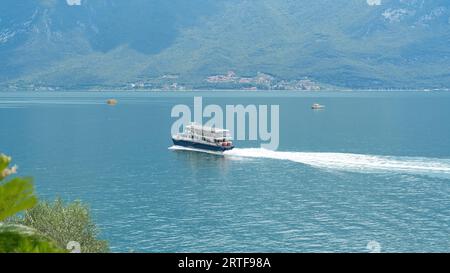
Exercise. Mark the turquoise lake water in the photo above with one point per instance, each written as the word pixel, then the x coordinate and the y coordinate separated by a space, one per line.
pixel 372 166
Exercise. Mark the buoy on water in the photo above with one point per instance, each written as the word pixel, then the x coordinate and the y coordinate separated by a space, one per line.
pixel 111 102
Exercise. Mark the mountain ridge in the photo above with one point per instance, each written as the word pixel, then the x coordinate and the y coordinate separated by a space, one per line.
pixel 350 44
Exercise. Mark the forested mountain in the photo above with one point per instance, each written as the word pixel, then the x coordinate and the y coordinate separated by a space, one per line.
pixel 346 43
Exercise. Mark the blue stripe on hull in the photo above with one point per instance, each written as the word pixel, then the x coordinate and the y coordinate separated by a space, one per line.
pixel 201 146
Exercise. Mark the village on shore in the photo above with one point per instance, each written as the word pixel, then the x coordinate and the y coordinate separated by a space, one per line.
pixel 172 82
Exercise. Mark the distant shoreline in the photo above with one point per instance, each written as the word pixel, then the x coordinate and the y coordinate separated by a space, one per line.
pixel 222 90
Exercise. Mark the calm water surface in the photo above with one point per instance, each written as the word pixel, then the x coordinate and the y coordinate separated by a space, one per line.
pixel 371 166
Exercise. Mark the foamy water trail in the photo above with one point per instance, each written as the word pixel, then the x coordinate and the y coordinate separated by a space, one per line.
pixel 353 162
pixel 181 148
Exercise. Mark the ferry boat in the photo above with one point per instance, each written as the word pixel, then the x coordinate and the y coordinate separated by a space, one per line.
pixel 208 139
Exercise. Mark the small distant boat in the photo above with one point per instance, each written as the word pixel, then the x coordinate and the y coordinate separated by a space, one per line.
pixel 317 106
pixel 204 139
pixel 111 102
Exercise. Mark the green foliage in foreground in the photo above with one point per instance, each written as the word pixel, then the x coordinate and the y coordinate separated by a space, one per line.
pixel 65 223
pixel 21 239
pixel 15 195
pixel 42 227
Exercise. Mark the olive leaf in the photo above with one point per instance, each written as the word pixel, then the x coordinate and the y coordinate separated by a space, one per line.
pixel 16 195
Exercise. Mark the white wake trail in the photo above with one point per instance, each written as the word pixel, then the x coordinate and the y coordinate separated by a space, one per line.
pixel 352 162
